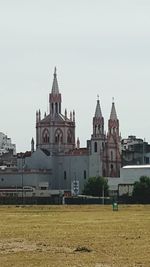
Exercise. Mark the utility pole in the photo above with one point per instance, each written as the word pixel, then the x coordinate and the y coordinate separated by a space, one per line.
pixel 103 195
pixel 22 176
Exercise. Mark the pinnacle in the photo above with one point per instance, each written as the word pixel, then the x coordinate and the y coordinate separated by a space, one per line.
pixel 98 112
pixel 113 114
pixel 55 88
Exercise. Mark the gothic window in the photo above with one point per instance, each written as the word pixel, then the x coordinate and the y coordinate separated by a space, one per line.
pixel 95 147
pixel 111 166
pixel 65 175
pixel 99 128
pixel 58 136
pixel 103 146
pixel 104 172
pixel 52 108
pixel 84 174
pixel 95 129
pixel 111 155
pixel 56 107
pixel 45 136
pixel 69 137
pixel 111 170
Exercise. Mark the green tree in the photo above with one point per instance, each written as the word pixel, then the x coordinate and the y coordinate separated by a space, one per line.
pixel 141 190
pixel 95 186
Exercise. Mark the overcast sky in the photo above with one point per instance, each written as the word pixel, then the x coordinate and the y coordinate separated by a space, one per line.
pixel 98 46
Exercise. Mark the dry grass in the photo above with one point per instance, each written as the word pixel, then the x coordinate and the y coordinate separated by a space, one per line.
pixel 89 236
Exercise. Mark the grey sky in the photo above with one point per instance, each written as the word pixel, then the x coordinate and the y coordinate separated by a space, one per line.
pixel 98 46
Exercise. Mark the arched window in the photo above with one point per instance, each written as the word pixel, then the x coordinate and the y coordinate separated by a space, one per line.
pixel 56 107
pixel 45 136
pixel 103 146
pixel 111 155
pixel 104 172
pixel 65 175
pixel 69 137
pixel 52 108
pixel 95 147
pixel 95 130
pixel 58 136
pixel 84 174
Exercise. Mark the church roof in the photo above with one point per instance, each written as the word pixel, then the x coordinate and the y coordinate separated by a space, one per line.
pixel 57 117
pixel 113 114
pixel 46 152
pixel 55 88
pixel 98 112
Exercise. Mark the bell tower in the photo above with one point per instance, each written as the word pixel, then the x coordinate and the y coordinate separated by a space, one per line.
pixel 97 142
pixel 98 129
pixel 113 148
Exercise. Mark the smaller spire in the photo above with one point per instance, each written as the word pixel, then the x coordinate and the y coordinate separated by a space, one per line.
pixel 73 115
pixel 55 71
pixel 32 145
pixel 65 113
pixel 78 143
pixel 113 114
pixel 70 115
pixel 98 112
pixel 39 115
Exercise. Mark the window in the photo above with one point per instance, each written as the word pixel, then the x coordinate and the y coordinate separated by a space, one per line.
pixel 111 155
pixel 95 147
pixel 45 136
pixel 84 174
pixel 65 175
pixel 69 137
pixel 56 107
pixel 104 172
pixel 52 108
pixel 103 146
pixel 58 136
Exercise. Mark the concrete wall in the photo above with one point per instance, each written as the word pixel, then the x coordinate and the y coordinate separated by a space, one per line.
pixel 132 174
pixel 17 179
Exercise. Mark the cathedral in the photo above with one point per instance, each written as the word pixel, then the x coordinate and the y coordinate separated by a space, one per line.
pixel 58 150
pixel 58 163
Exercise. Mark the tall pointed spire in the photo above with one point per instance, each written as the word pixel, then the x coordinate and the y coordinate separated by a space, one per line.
pixel 55 97
pixel 113 114
pixel 55 88
pixel 98 121
pixel 98 112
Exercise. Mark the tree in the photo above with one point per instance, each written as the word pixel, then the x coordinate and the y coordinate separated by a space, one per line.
pixel 95 186
pixel 141 190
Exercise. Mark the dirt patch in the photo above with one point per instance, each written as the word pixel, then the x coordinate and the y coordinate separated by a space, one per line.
pixel 82 249
pixel 19 245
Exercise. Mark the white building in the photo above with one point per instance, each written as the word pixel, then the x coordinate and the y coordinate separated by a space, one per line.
pixel 6 145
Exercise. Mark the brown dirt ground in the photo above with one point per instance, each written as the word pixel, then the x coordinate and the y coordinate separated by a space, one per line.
pixel 81 236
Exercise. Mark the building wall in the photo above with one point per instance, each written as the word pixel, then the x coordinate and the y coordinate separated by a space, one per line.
pixel 16 179
pixel 133 173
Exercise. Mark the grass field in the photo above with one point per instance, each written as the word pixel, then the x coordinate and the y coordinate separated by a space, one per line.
pixel 89 236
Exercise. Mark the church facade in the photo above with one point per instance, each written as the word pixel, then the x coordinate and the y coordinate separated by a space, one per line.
pixel 58 150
